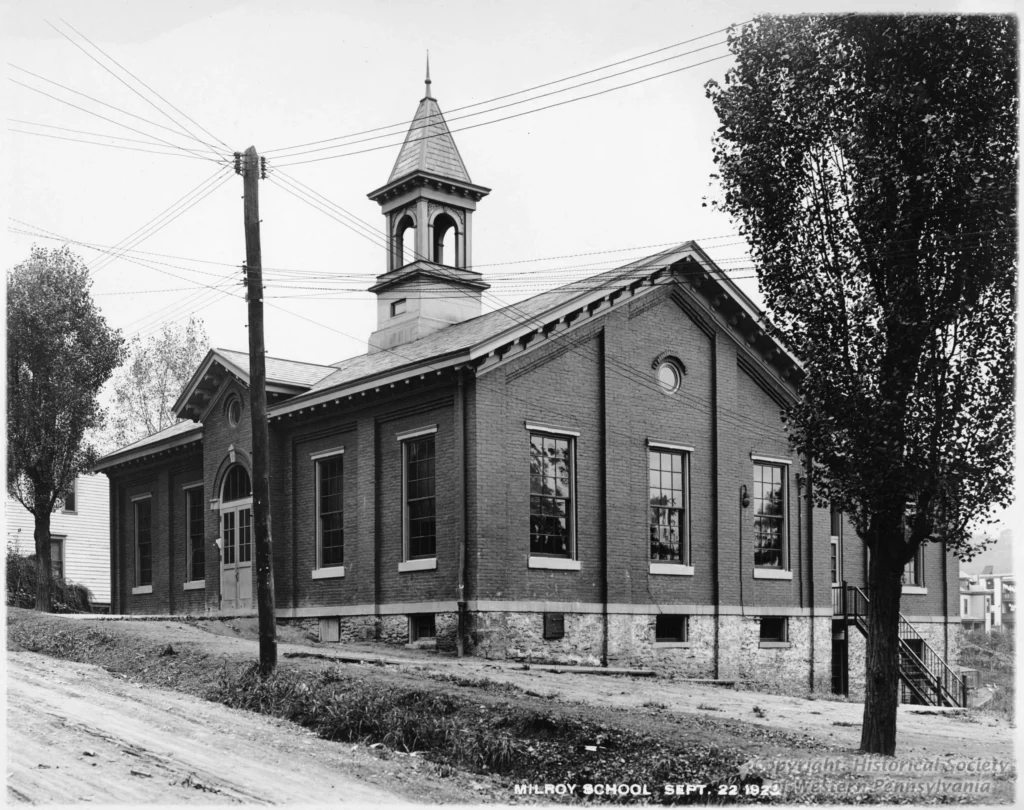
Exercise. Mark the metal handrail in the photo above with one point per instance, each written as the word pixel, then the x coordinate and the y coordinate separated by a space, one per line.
pixel 948 685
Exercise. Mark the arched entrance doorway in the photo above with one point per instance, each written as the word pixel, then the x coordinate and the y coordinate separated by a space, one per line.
pixel 236 540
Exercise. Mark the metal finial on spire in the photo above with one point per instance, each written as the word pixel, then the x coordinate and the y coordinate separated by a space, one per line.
pixel 428 74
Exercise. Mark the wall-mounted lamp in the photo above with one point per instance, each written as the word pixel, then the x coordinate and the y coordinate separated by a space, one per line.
pixel 744 498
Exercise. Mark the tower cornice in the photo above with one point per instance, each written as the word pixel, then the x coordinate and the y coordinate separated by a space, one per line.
pixel 420 179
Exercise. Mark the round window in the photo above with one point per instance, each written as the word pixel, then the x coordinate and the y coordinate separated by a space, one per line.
pixel 669 377
pixel 235 412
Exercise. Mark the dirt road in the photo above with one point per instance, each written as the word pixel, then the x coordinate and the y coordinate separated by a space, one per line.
pixel 75 733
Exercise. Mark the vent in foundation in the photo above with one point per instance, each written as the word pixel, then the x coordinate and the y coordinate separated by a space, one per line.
pixel 330 629
pixel 554 625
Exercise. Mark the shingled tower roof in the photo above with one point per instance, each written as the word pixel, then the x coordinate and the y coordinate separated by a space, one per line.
pixel 429 146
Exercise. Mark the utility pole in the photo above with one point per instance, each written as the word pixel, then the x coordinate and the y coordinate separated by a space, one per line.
pixel 251 171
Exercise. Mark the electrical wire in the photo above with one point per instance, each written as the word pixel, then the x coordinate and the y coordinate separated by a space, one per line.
pixel 447 118
pixel 103 103
pixel 516 93
pixel 165 218
pixel 117 123
pixel 81 132
pixel 108 145
pixel 508 117
pixel 169 117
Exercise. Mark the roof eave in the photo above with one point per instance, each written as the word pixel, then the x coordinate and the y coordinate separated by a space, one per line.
pixel 373 381
pixel 483 191
pixel 123 457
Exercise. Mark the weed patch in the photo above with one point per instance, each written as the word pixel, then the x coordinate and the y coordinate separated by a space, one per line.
pixel 514 742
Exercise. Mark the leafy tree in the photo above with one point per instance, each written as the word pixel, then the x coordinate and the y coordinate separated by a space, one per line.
pixel 146 388
pixel 872 164
pixel 60 351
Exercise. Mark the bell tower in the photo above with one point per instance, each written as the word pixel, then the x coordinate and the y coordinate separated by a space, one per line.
pixel 428 204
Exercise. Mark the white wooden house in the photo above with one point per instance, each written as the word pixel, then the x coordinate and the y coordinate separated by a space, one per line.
pixel 79 535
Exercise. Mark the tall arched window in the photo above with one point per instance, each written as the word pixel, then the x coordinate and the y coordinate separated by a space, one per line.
pixel 237 485
pixel 401 248
pixel 446 231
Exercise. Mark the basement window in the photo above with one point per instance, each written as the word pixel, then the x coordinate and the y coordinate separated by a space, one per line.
pixel 422 626
pixel 669 628
pixel 774 631
pixel 397 307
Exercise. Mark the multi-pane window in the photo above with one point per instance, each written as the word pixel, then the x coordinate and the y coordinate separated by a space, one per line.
pixel 912 571
pixel 237 484
pixel 70 499
pixel 667 472
pixel 57 557
pixel 769 515
pixel 330 511
pixel 196 548
pixel 912 574
pixel 143 542
pixel 228 522
pixel 420 498
pixel 835 544
pixel 244 535
pixel 551 517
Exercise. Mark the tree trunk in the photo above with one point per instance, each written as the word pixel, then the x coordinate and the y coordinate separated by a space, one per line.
pixel 878 734
pixel 44 603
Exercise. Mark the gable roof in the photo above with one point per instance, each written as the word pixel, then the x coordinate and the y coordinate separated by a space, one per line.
pixel 287 377
pixel 429 146
pixel 461 337
pixel 489 337
pixel 476 339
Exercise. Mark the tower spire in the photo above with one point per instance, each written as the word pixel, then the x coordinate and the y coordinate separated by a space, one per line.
pixel 428 76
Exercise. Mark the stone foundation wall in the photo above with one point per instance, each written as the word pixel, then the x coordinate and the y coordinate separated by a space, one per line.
pixel 631 643
pixel 936 634
pixel 390 629
pixel 520 637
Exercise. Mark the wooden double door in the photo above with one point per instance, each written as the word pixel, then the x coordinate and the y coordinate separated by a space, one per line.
pixel 236 556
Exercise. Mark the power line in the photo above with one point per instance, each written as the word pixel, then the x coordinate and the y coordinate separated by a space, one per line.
pixel 510 117
pixel 150 228
pixel 449 119
pixel 108 145
pixel 148 101
pixel 82 132
pixel 175 132
pixel 308 192
pixel 115 123
pixel 510 95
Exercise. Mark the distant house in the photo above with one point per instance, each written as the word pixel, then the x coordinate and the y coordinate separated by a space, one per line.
pixel 79 535
pixel 997 592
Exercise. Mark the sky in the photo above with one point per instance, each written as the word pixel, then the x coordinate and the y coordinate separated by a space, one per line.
pixel 576 188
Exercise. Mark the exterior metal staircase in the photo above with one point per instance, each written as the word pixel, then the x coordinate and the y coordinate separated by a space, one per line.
pixel 925 677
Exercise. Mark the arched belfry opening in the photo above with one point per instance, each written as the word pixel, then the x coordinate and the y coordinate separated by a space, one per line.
pixel 403 243
pixel 429 201
pixel 445 242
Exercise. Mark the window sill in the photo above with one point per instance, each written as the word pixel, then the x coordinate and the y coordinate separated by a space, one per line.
pixel 142 589
pixel 194 585
pixel 418 565
pixel 915 589
pixel 774 645
pixel 332 572
pixel 554 563
pixel 772 573
pixel 673 645
pixel 672 569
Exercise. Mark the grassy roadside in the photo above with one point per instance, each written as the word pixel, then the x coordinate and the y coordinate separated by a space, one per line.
pixel 462 725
